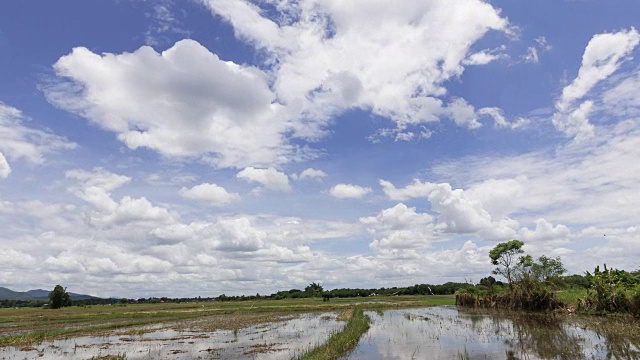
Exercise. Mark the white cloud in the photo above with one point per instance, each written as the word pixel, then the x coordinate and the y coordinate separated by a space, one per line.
pixel 400 227
pixel 623 98
pixel 463 114
pixel 5 169
pixel 544 232
pixel 331 55
pixel 414 190
pixel 133 211
pixel 96 186
pixel 18 141
pixel 349 191
pixel 591 184
pixel 164 22
pixel 603 55
pixel 269 178
pixel 533 52
pixel 499 197
pixel 532 55
pixel 500 121
pixel 482 58
pixel 311 173
pixel 465 211
pixel 457 212
pixel 211 194
pixel 183 102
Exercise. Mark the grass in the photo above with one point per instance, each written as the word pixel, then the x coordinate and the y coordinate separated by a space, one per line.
pixel 571 296
pixel 341 343
pixel 27 326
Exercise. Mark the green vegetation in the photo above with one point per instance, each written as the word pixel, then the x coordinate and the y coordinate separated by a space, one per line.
pixel 342 342
pixel 59 297
pixel 531 284
pixel 539 285
pixel 612 291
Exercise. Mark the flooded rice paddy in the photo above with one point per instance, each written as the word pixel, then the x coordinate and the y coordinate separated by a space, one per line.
pixel 275 340
pixel 445 332
pixel 442 332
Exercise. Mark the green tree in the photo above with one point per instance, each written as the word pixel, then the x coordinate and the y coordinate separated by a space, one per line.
pixel 59 297
pixel 505 257
pixel 547 269
pixel 314 289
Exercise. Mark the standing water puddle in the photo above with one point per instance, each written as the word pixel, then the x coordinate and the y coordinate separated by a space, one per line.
pixel 275 340
pixel 446 333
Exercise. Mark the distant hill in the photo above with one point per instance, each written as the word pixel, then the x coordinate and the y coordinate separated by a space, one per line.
pixel 37 294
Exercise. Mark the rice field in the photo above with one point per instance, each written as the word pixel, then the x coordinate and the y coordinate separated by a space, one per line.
pixel 408 327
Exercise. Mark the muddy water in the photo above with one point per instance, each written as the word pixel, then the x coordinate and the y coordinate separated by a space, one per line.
pixel 272 341
pixel 446 333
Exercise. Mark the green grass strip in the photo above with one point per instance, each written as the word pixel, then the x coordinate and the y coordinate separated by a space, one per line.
pixel 341 343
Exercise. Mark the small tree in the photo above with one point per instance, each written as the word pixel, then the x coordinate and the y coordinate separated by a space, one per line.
pixel 504 255
pixel 59 297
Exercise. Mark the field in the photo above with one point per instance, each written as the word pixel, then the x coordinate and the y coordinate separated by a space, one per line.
pixel 25 326
pixel 403 327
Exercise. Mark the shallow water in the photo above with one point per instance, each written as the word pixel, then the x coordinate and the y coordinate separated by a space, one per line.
pixel 445 333
pixel 272 341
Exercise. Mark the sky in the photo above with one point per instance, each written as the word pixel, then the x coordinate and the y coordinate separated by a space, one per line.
pixel 201 147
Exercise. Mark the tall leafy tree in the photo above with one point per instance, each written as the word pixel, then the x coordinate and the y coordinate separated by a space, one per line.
pixel 59 297
pixel 505 257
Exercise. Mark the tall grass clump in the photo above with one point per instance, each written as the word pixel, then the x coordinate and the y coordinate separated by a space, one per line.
pixel 342 342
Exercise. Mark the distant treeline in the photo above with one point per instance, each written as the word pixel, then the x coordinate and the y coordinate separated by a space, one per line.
pixel 314 290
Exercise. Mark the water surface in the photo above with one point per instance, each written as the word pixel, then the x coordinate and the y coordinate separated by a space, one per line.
pixel 444 332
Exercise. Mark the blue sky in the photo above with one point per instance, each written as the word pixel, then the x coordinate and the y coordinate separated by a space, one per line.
pixel 161 148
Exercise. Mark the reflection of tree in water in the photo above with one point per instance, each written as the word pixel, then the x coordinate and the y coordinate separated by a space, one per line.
pixel 621 337
pixel 549 336
pixel 545 336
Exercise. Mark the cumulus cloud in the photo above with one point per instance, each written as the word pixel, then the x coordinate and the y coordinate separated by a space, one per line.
pixel 18 141
pixel 463 114
pixel 269 178
pixel 311 173
pixel 330 54
pixel 96 186
pixel 5 169
pixel 413 190
pixel 199 106
pixel 210 194
pixel 544 232
pixel 603 56
pixel 349 191
pixel 320 59
pixel 400 227
pixel 482 209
